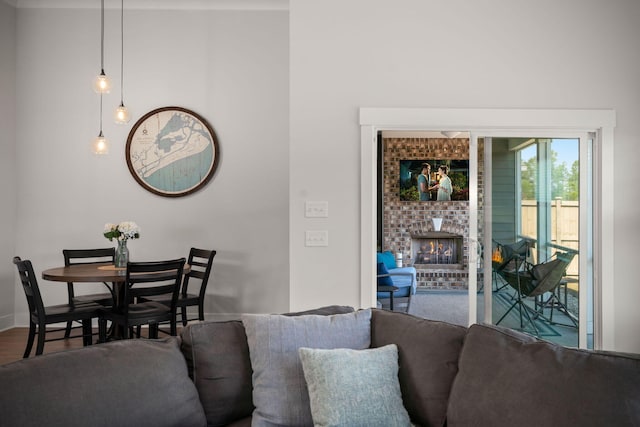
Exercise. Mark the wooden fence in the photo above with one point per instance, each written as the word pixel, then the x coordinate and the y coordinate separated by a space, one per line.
pixel 565 222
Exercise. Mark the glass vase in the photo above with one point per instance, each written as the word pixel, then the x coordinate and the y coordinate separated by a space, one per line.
pixel 122 254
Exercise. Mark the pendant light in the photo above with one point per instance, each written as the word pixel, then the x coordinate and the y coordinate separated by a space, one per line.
pixel 100 145
pixel 102 83
pixel 122 115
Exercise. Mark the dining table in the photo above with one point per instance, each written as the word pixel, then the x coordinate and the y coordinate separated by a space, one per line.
pixel 91 273
pixel 113 277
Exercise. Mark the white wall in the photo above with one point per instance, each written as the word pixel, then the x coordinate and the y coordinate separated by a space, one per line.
pixel 7 161
pixel 414 53
pixel 231 67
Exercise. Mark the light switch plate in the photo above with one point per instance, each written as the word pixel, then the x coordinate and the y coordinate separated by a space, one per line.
pixel 316 209
pixel 316 238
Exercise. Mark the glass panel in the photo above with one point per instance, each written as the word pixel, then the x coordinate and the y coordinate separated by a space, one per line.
pixel 535 235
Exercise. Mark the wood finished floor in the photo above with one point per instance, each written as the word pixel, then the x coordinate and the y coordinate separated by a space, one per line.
pixel 13 342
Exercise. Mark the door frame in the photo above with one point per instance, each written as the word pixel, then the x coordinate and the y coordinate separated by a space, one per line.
pixel 494 122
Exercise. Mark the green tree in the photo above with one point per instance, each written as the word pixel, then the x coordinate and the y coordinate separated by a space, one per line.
pixel 529 176
pixel 573 182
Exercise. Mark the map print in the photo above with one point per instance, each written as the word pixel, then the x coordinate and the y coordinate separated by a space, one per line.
pixel 171 151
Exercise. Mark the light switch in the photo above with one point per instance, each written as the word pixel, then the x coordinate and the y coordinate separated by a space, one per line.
pixel 316 238
pixel 316 209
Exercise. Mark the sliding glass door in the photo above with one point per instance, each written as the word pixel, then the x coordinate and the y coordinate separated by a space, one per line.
pixel 535 225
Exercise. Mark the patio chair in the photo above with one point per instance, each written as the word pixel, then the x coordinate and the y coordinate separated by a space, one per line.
pixel 508 257
pixel 535 280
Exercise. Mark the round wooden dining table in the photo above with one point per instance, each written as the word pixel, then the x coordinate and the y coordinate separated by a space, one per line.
pixel 98 272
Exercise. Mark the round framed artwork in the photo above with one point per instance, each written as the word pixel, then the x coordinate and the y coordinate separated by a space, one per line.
pixel 172 151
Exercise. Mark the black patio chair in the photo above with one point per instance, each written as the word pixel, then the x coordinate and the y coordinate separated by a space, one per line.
pixel 508 258
pixel 533 281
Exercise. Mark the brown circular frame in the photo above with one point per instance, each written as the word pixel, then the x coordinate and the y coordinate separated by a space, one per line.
pixel 160 192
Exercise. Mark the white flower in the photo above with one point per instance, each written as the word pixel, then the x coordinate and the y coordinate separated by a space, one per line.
pixel 129 229
pixel 123 231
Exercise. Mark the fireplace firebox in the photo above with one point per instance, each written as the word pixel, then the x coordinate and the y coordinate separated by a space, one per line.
pixel 436 248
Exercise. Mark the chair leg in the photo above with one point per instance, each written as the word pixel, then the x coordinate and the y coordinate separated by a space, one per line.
pixel 86 332
pixel 32 335
pixel 173 329
pixel 153 331
pixel 183 312
pixel 42 330
pixel 102 330
pixel 67 331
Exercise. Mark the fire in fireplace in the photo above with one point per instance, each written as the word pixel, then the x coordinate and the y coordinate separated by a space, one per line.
pixel 439 248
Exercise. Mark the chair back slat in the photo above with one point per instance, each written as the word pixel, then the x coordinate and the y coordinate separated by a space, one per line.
pixel 31 288
pixel 201 263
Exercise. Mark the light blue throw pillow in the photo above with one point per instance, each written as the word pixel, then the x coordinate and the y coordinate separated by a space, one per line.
pixel 354 388
pixel 279 390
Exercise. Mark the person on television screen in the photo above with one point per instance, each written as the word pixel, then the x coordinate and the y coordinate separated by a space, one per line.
pixel 424 182
pixel 444 186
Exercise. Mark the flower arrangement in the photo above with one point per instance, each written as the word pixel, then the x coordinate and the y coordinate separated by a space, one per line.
pixel 123 231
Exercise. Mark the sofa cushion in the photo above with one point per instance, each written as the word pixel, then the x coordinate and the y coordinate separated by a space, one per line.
pixel 122 383
pixel 218 358
pixel 511 379
pixel 279 389
pixel 428 356
pixel 217 355
pixel 354 387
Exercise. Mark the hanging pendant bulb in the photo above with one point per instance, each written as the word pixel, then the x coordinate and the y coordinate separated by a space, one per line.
pixel 100 145
pixel 102 83
pixel 122 115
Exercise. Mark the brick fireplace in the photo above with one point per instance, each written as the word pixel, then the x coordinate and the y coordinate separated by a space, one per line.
pixel 440 256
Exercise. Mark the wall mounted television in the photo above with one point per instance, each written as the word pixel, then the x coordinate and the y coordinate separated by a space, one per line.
pixel 417 186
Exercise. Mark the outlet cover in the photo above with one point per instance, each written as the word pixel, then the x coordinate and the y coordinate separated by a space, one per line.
pixel 316 238
pixel 316 209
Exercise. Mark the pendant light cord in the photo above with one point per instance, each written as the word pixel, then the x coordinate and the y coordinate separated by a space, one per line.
pixel 102 37
pixel 121 52
pixel 100 114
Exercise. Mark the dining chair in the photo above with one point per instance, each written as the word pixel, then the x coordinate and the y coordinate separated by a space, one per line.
pixel 87 256
pixel 144 279
pixel 41 316
pixel 201 263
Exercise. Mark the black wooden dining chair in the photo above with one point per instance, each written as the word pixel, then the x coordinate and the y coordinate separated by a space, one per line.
pixel 201 263
pixel 41 316
pixel 144 279
pixel 87 256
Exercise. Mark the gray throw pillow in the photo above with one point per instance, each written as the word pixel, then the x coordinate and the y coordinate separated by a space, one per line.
pixel 279 390
pixel 353 388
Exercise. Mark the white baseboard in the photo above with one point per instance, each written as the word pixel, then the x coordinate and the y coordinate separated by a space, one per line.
pixel 7 322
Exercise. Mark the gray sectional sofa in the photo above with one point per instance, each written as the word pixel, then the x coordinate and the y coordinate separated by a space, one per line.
pixel 226 373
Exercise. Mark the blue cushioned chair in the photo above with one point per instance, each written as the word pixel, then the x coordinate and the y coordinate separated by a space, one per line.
pixel 389 274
